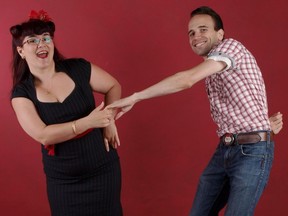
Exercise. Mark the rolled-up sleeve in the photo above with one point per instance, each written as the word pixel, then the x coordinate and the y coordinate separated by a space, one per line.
pixel 219 56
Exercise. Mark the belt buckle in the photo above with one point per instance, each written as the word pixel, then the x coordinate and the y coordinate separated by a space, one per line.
pixel 228 139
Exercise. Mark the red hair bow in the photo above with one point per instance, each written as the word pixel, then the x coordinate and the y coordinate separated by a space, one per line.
pixel 41 15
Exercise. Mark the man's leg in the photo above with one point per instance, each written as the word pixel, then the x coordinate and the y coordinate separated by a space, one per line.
pixel 211 183
pixel 248 170
pixel 221 200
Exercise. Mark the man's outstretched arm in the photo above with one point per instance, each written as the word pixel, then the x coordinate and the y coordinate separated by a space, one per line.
pixel 172 84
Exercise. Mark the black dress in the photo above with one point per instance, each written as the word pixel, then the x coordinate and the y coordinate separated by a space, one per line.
pixel 83 179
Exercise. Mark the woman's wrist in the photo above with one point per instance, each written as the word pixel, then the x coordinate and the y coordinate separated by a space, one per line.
pixel 80 125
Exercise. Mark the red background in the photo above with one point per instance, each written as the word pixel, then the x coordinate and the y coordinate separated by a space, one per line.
pixel 165 142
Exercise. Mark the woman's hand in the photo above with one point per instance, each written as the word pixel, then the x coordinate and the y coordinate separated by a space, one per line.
pixel 99 117
pixel 111 136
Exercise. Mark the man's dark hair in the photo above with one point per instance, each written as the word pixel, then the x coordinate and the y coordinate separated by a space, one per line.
pixel 218 24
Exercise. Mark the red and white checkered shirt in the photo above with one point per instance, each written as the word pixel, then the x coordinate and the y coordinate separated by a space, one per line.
pixel 237 95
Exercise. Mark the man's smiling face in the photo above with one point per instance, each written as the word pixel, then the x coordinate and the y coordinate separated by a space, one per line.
pixel 202 34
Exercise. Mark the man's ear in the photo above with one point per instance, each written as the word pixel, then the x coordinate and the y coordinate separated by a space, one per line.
pixel 220 33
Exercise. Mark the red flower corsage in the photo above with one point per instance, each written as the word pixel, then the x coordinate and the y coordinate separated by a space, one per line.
pixel 41 15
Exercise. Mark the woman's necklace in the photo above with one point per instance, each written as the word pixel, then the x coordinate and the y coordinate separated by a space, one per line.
pixel 49 88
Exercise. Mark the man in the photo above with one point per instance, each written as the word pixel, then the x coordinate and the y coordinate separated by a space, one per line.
pixel 241 165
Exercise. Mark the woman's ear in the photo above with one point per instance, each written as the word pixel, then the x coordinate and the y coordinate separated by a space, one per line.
pixel 20 51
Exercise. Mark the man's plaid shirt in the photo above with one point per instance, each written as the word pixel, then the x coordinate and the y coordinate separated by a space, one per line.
pixel 237 94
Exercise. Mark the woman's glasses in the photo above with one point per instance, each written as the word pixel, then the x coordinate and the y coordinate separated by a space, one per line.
pixel 35 40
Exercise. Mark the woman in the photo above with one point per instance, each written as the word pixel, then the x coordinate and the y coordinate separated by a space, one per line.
pixel 53 101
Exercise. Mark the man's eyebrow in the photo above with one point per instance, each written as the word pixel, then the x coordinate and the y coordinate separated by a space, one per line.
pixel 198 27
pixel 189 32
pixel 202 26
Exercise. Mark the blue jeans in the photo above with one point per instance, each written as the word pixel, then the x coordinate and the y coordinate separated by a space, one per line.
pixel 245 168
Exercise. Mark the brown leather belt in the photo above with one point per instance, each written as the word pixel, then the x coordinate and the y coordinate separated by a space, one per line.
pixel 245 138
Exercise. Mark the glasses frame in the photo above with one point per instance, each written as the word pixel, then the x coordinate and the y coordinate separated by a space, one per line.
pixel 47 39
